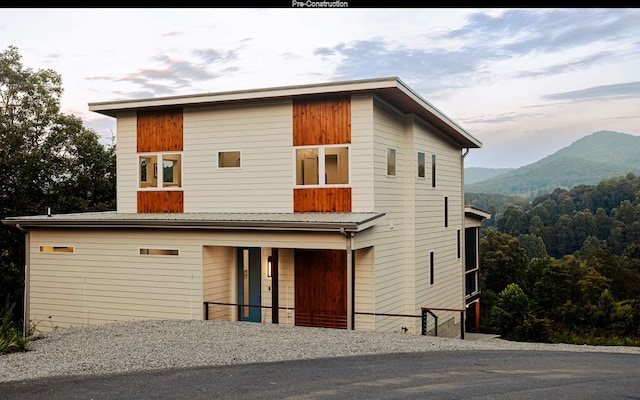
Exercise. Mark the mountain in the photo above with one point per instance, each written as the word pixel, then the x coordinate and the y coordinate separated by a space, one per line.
pixel 479 174
pixel 587 161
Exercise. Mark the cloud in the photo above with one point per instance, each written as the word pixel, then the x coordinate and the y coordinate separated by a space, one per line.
pixel 629 89
pixel 523 31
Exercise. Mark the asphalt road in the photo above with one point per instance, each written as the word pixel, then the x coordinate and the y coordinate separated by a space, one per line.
pixel 432 375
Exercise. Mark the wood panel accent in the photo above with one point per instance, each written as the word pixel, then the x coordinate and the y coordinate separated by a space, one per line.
pixel 322 121
pixel 322 200
pixel 321 288
pixel 160 131
pixel 165 201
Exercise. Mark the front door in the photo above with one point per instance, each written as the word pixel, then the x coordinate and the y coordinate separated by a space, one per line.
pixel 249 270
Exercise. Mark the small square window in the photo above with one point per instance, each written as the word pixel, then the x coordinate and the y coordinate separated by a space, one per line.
pixel 229 159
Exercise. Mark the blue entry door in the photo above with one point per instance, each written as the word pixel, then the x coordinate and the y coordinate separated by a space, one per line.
pixel 249 291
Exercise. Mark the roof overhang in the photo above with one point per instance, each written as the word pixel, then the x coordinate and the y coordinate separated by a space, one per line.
pixel 309 222
pixel 391 89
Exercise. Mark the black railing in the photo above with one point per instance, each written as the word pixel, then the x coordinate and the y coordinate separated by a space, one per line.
pixel 424 316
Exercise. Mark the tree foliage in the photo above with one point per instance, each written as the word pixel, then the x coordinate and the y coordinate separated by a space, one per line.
pixel 48 159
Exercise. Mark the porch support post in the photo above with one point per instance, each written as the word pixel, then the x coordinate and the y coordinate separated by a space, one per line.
pixel 478 316
pixel 349 282
pixel 275 291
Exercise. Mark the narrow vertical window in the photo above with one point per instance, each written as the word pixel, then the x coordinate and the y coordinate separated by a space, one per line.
pixel 446 211
pixel 459 242
pixel 421 165
pixel 431 268
pixel 391 162
pixel 433 170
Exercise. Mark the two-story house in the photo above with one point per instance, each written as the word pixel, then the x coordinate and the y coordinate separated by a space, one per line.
pixel 336 205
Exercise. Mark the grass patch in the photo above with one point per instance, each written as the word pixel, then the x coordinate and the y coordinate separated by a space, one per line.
pixel 11 338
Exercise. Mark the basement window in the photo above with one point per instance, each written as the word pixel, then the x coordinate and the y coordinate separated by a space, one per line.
pixel 56 249
pixel 159 252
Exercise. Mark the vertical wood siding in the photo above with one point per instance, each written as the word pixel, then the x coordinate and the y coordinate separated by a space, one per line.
pixel 321 288
pixel 322 121
pixel 322 200
pixel 160 131
pixel 161 201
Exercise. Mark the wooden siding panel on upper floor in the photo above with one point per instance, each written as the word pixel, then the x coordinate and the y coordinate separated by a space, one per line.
pixel 322 200
pixel 160 131
pixel 322 121
pixel 167 201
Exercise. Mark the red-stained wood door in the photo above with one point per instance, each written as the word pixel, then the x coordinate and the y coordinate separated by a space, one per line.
pixel 321 288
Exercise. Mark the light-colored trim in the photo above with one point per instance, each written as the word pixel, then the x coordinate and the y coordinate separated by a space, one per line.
pixel 321 166
pixel 160 178
pixel 227 168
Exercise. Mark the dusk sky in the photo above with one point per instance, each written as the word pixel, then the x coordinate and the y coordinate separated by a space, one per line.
pixel 525 82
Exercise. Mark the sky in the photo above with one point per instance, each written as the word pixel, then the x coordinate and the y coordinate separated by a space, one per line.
pixel 525 82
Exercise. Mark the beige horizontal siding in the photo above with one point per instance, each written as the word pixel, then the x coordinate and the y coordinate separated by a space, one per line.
pixel 126 163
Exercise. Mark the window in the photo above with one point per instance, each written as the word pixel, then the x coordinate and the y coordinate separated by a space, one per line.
pixel 171 175
pixel 421 165
pixel 446 211
pixel 159 252
pixel 56 249
pixel 391 162
pixel 459 242
pixel 433 170
pixel 324 165
pixel 431 268
pixel 229 159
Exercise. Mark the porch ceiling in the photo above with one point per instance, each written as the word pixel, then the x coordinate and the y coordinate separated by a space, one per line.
pixel 299 221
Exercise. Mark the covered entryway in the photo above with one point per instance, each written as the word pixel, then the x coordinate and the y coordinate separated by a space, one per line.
pixel 321 288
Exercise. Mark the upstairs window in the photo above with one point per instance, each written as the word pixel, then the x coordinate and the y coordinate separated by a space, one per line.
pixel 229 159
pixel 433 170
pixel 391 162
pixel 152 178
pixel 323 165
pixel 421 164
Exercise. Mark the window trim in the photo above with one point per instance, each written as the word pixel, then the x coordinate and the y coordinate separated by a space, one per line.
pixel 424 165
pixel 395 161
pixel 228 151
pixel 42 249
pixel 432 268
pixel 150 248
pixel 160 178
pixel 321 166
pixel 433 171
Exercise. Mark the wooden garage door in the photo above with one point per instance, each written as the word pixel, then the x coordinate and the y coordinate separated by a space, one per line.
pixel 321 288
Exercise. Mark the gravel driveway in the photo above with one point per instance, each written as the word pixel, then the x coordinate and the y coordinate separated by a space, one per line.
pixel 159 344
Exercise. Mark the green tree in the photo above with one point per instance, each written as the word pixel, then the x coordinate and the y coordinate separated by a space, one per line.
pixel 513 221
pixel 47 159
pixel 533 246
pixel 503 261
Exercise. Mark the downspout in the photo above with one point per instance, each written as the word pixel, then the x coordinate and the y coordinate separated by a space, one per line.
pixel 349 249
pixel 463 251
pixel 27 252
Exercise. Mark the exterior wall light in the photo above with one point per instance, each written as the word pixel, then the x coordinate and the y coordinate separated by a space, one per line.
pixel 269 266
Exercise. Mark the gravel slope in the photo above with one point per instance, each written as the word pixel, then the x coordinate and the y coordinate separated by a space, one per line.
pixel 146 345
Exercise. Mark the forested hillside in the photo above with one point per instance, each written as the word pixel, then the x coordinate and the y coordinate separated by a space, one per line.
pixel 587 161
pixel 564 267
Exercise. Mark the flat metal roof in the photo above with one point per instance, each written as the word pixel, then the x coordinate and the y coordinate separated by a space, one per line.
pixel 391 89
pixel 300 221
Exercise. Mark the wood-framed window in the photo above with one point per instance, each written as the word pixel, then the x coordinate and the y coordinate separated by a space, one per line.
pixel 322 165
pixel 159 170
